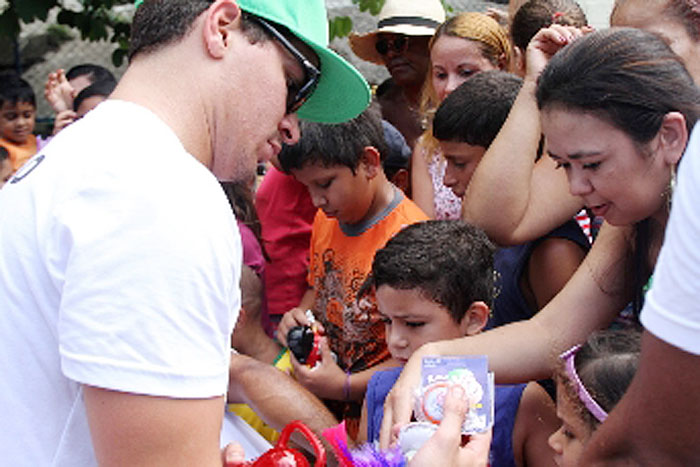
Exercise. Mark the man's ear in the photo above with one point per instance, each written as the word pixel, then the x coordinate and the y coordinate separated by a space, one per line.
pixel 475 319
pixel 371 161
pixel 220 20
pixel 672 137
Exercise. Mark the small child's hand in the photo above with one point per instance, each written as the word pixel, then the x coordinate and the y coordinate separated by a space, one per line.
pixel 326 380
pixel 58 91
pixel 63 119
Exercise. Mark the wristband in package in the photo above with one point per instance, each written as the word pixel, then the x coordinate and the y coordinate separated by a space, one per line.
pixel 440 373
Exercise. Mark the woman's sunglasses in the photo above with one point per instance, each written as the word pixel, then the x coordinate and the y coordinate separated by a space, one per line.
pixel 397 44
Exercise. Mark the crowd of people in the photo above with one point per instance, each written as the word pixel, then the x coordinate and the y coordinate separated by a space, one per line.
pixel 521 187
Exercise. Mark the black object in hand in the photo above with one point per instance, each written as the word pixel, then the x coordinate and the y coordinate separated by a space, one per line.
pixel 300 340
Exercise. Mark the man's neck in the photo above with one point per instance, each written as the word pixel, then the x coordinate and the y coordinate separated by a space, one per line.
pixel 174 97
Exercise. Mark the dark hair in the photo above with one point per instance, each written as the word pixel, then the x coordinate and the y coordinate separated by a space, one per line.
pixel 93 72
pixel 398 153
pixel 4 153
pixel 687 12
pixel 161 22
pixel 626 76
pixel 449 261
pixel 14 89
pixel 534 15
pixel 605 364
pixel 631 79
pixel 335 144
pixel 475 112
pixel 98 88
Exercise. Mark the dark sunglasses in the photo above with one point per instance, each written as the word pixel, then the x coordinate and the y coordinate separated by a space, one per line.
pixel 297 93
pixel 397 44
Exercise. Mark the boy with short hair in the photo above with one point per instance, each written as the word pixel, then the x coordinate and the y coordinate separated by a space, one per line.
pixel 435 281
pixel 359 210
pixel 17 119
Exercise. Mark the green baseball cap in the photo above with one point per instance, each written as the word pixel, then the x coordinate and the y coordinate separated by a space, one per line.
pixel 342 92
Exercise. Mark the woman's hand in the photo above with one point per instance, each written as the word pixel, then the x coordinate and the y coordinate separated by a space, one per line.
pixel 398 405
pixel 546 43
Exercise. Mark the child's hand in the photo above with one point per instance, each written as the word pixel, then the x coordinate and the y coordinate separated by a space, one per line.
pixel 294 317
pixel 58 92
pixel 63 119
pixel 326 380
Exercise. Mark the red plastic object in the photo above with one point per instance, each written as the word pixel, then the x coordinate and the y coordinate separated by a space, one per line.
pixel 315 354
pixel 284 456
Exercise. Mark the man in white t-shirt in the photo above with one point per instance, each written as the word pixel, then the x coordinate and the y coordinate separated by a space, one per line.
pixel 657 422
pixel 119 256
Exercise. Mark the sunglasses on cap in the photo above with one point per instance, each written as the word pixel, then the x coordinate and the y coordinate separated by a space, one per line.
pixel 397 44
pixel 297 93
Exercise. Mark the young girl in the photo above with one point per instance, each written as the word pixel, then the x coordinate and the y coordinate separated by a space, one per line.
pixel 463 45
pixel 591 379
pixel 617 107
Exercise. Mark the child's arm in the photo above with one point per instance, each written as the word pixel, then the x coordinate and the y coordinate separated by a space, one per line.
pixel 535 422
pixel 329 381
pixel 551 265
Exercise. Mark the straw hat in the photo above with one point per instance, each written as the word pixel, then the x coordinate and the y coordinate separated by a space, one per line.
pixel 408 17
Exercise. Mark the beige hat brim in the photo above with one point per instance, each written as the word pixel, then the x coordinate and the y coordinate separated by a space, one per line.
pixel 363 44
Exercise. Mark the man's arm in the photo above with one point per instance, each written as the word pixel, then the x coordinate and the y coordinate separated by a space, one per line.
pixel 135 430
pixel 275 396
pixel 656 422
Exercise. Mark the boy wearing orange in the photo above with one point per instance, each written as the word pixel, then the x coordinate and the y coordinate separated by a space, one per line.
pixel 359 210
pixel 17 119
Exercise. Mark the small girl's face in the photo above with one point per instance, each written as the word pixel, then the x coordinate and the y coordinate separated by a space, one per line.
pixel 573 434
pixel 413 320
pixel 453 60
pixel 17 121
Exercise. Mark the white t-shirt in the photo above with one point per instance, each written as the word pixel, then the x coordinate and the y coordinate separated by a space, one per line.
pixel 672 306
pixel 119 268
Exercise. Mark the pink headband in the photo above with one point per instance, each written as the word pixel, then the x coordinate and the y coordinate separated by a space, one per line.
pixel 583 394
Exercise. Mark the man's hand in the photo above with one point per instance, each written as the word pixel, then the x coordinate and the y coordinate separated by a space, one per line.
pixel 327 379
pixel 446 443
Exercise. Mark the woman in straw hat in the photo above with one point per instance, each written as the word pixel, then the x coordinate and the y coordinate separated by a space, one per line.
pixel 400 43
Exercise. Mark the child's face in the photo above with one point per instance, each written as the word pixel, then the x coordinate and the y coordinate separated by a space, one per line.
pixel 5 171
pixel 338 192
pixel 573 434
pixel 462 159
pixel 413 320
pixel 17 121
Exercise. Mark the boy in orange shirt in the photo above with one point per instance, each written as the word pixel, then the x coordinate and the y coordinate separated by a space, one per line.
pixel 359 210
pixel 17 119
